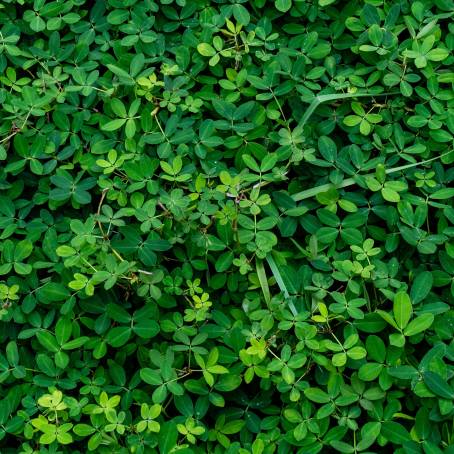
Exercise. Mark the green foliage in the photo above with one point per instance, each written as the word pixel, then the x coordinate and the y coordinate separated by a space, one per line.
pixel 226 226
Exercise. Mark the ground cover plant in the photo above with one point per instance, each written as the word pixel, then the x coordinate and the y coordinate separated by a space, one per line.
pixel 226 226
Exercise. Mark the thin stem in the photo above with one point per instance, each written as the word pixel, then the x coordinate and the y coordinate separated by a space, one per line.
pixel 280 109
pixel 98 212
pixel 5 139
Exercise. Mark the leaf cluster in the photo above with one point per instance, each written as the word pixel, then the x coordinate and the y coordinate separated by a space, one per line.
pixel 226 226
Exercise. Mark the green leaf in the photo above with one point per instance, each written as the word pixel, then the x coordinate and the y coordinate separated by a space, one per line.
pixel 63 330
pixel 403 372
pixel 75 343
pixel 394 432
pixel 48 341
pixel 118 313
pixel 167 438
pixel 376 348
pixel 352 120
pixel 251 163
pixel 375 35
pixel 83 430
pixel 47 438
pixel 443 194
pixel 12 353
pixel 370 14
pixel 438 54
pixel 388 318
pixel 224 262
pixel 65 251
pixel 146 329
pixel 206 50
pixel 37 25
pixel 327 148
pixel 317 395
pixel 356 353
pixel 390 195
pixel 421 286
pixel 123 76
pixel 23 250
pixel 370 371
pixel 438 385
pixel 241 14
pixel 402 309
pixel 150 376
pixel 371 323
pixel 53 292
pixel 233 427
pixel 419 324
pixel 268 162
pixel 118 108
pixel 118 336
pixel 283 5
pixel 341 446
pixel 113 125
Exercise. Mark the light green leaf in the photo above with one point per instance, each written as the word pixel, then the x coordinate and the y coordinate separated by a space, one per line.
pixel 283 5
pixel 419 324
pixel 206 49
pixel 113 125
pixel 402 309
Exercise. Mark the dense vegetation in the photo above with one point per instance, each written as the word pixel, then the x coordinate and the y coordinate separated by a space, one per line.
pixel 226 226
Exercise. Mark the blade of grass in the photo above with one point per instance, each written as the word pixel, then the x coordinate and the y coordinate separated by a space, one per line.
pixel 312 192
pixel 298 246
pixel 320 99
pixel 308 193
pixel 261 274
pixel 280 282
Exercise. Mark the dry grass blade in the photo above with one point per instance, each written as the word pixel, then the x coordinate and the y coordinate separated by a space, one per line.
pixel 280 282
